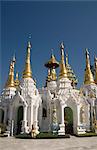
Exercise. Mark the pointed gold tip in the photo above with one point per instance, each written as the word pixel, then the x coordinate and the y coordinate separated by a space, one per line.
pixel 27 73
pixel 88 74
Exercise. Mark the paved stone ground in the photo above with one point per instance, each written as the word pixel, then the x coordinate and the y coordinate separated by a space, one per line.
pixel 73 143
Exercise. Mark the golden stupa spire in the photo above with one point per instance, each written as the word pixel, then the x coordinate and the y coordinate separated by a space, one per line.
pixel 88 74
pixel 27 73
pixel 95 69
pixel 17 80
pixel 63 71
pixel 10 80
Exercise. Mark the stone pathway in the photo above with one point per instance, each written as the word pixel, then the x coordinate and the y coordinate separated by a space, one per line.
pixel 73 143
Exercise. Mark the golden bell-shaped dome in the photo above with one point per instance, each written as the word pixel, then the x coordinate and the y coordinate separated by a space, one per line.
pixel 52 63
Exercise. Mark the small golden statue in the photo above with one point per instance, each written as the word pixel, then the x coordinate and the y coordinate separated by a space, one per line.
pixel 33 132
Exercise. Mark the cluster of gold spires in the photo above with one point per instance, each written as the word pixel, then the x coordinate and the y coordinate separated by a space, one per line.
pixel 52 64
pixel 10 81
pixel 67 72
pixel 27 73
pixel 88 74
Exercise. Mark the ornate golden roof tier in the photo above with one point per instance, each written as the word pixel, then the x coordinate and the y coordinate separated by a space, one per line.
pixel 70 72
pixel 96 70
pixel 27 73
pixel 17 82
pixel 88 74
pixel 10 80
pixel 52 63
pixel 63 71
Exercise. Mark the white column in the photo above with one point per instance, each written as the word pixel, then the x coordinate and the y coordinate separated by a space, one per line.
pixel 78 115
pixel 62 125
pixel 24 124
pixel 12 127
pixel 79 128
pixel 10 113
pixel 5 116
pixel 25 113
pixel 36 121
pixel 62 114
pixel 36 116
pixel 31 119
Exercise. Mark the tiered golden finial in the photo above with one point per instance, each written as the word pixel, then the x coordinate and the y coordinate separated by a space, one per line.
pixel 51 65
pixel 70 73
pixel 88 74
pixel 95 69
pixel 17 82
pixel 10 80
pixel 63 71
pixel 27 73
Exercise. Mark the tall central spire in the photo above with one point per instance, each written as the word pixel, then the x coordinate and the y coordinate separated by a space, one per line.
pixel 96 70
pixel 88 74
pixel 63 71
pixel 27 73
